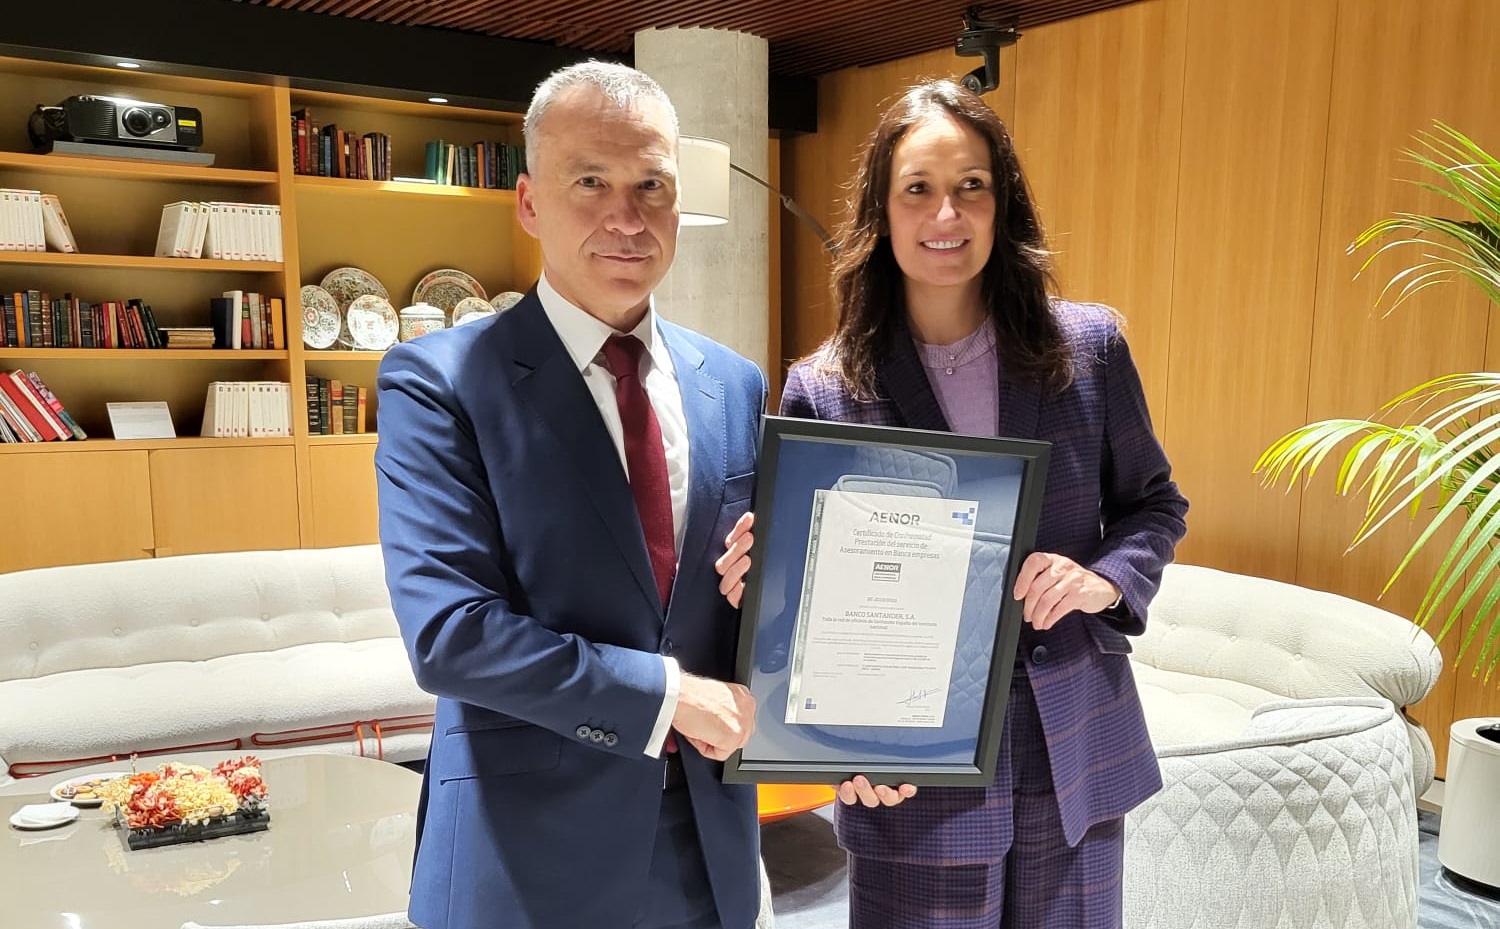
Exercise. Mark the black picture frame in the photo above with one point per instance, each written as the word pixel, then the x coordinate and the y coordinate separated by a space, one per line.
pixel 1005 477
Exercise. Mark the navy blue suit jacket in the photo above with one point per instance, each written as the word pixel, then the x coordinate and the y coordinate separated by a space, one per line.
pixel 519 576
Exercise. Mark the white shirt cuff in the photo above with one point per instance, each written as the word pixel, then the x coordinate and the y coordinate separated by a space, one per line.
pixel 668 709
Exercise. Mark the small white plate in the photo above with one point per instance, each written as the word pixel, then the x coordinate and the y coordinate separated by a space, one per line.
pixel 62 818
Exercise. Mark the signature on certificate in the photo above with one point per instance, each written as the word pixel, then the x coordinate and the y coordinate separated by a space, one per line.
pixel 919 695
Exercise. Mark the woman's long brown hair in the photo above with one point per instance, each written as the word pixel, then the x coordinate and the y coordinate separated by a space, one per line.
pixel 867 282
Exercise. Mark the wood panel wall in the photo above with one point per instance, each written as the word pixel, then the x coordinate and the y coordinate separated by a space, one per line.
pixel 1202 166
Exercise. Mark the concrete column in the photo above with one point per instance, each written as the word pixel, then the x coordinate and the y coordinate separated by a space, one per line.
pixel 719 283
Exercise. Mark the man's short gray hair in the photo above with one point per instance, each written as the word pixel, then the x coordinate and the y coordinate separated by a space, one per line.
pixel 621 84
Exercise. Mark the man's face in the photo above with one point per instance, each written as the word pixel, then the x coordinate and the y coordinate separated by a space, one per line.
pixel 602 202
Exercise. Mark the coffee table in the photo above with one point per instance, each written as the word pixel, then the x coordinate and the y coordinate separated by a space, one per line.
pixel 340 845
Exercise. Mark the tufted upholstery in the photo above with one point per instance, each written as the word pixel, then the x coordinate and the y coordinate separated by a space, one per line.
pixel 1290 771
pixel 244 651
pixel 1218 645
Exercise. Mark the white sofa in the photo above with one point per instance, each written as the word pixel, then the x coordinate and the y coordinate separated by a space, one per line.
pixel 1290 771
pixel 250 652
pixel 277 651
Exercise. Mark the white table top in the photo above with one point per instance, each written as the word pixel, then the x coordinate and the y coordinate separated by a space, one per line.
pixel 339 845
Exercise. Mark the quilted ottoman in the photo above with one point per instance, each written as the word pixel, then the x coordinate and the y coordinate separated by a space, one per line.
pixel 1307 820
pixel 1290 765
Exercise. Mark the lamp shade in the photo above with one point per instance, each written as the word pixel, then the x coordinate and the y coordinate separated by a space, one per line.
pixel 703 178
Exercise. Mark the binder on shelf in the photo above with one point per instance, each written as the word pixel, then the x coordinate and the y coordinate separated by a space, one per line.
pixel 55 228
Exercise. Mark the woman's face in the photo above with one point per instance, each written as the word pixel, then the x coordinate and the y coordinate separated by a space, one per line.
pixel 941 205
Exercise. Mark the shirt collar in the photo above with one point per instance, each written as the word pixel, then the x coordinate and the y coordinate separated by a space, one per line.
pixel 584 335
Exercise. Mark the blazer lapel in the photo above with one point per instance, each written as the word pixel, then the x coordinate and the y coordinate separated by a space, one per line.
pixel 902 379
pixel 544 378
pixel 1020 408
pixel 703 406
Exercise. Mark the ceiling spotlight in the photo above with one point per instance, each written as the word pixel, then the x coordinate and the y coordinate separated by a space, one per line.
pixel 437 99
pixel 129 65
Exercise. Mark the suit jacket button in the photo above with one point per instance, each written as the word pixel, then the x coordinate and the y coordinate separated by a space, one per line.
pixel 583 732
pixel 1039 655
pixel 611 740
pixel 666 646
pixel 597 735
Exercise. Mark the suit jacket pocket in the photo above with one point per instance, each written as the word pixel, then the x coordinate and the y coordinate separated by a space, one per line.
pixel 1110 640
pixel 494 752
pixel 739 488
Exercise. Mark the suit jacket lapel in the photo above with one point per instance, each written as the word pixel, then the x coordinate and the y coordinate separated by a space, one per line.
pixel 703 406
pixel 545 378
pixel 902 379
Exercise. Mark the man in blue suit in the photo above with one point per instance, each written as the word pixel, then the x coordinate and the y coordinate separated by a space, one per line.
pixel 555 483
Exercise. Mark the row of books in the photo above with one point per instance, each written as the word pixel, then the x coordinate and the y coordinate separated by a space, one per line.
pixel 31 221
pixel 34 319
pixel 237 320
pixel 492 165
pixel 335 408
pixel 245 319
pixel 247 409
pixel 222 230
pixel 329 151
pixel 29 412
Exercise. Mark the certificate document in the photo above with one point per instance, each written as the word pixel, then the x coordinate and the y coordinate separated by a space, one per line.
pixel 882 596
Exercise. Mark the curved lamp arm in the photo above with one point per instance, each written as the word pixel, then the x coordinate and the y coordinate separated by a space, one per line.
pixel 791 207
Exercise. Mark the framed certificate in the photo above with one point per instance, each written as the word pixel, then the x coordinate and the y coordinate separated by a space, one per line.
pixel 878 633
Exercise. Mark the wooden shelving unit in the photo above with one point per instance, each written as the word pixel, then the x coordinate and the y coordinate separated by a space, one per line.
pixel 102 499
pixel 339 185
pixel 95 446
pixel 137 355
pixel 130 168
pixel 137 262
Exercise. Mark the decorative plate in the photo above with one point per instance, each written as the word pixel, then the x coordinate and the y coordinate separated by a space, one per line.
pixel 81 791
pixel 321 319
pixel 373 323
pixel 505 301
pixel 470 309
pixel 444 287
pixel 347 283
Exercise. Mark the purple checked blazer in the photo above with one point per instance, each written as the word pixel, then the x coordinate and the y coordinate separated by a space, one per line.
pixel 1110 504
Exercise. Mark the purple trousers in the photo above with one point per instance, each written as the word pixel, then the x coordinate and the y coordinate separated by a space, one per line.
pixel 1041 883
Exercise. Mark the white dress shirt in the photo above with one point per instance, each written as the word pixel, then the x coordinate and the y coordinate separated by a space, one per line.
pixel 584 337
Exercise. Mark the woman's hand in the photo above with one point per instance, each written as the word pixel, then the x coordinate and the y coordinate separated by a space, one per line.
pixel 735 561
pixel 1054 586
pixel 860 790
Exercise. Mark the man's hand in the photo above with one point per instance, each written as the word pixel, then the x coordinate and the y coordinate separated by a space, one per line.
pixel 718 718
pixel 1054 586
pixel 735 561
pixel 860 790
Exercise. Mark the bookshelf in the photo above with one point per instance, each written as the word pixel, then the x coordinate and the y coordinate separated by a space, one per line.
pixel 103 499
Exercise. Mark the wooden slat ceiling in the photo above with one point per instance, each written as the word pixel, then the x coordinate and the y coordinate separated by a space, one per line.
pixel 807 37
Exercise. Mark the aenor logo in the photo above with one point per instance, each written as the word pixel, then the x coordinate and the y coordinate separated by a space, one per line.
pixel 887 571
pixel 895 519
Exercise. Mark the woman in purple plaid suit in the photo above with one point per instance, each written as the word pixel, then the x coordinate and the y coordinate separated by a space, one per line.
pixel 946 322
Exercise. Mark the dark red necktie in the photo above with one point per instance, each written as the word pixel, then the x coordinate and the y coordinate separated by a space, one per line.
pixel 645 458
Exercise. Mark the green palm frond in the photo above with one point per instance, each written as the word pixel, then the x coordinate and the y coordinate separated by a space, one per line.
pixel 1432 449
pixel 1469 178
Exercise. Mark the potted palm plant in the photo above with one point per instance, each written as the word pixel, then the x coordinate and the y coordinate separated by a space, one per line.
pixel 1437 443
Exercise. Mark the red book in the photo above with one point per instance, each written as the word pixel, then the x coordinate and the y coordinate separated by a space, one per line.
pixel 32 408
